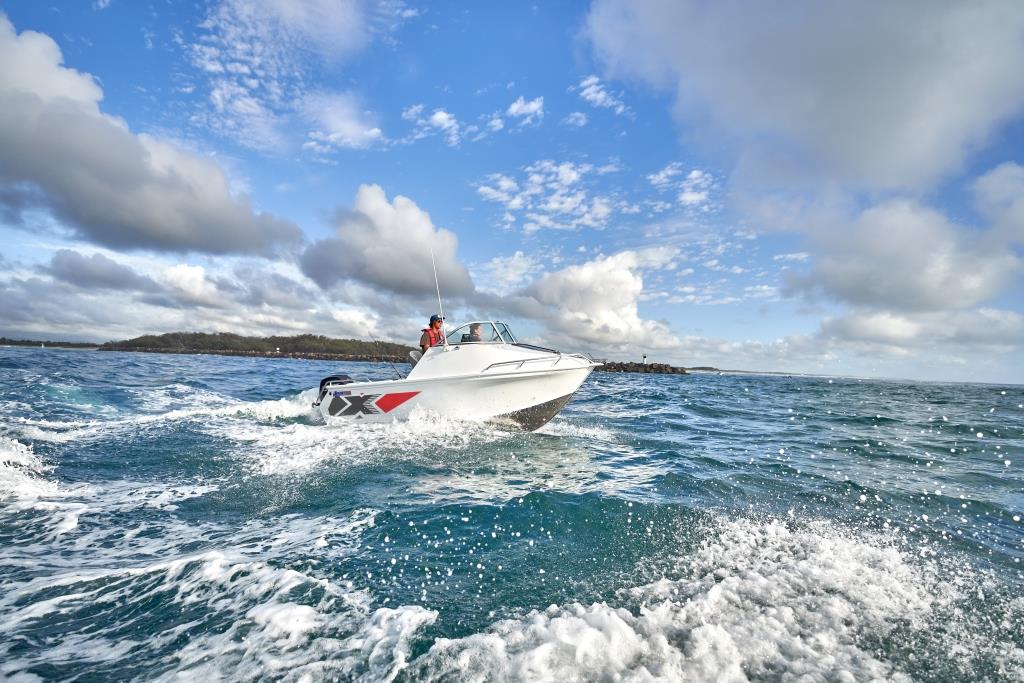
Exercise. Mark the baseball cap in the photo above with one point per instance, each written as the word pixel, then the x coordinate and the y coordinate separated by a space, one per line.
pixel 434 318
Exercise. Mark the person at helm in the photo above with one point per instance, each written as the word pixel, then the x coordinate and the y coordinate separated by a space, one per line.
pixel 432 334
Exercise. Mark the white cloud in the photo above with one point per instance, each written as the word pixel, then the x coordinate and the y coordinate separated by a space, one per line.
pixel 32 63
pixel 716 265
pixel 192 284
pixel 902 256
pixel 527 111
pixel 503 274
pixel 413 112
pixel 696 188
pixel 593 91
pixel 341 121
pixel 595 303
pixel 439 122
pixel 906 334
pixel 59 152
pixel 260 58
pixel 693 189
pixel 447 124
pixel 95 297
pixel 798 256
pixel 666 177
pixel 387 245
pixel 550 196
pixel 576 119
pixel 839 91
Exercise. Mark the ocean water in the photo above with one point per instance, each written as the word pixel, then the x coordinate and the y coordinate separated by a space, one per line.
pixel 190 518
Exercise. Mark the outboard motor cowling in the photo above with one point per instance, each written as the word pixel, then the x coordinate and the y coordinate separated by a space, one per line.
pixel 336 379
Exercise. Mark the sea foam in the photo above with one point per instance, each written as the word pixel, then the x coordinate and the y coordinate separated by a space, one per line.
pixel 755 601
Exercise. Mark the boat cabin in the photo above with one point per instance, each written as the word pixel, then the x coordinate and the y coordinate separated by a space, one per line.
pixel 481 332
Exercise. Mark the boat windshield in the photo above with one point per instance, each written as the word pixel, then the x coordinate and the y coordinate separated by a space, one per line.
pixel 476 333
pixel 506 334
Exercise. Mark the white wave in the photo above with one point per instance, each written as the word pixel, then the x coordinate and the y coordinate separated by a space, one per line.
pixel 759 601
pixel 24 486
pixel 273 449
pixel 250 618
pixel 200 404
pixel 166 498
pixel 564 427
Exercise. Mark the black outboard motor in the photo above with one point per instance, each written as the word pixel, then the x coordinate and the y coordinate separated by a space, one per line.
pixel 337 379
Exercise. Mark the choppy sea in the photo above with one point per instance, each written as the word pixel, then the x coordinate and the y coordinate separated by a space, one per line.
pixel 169 517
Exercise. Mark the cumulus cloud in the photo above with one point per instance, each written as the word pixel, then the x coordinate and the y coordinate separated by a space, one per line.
pixel 904 334
pixel 97 271
pixel 880 95
pixel 191 285
pixel 96 298
pixel 596 302
pixel 526 111
pixel 387 245
pixel 59 152
pixel 902 256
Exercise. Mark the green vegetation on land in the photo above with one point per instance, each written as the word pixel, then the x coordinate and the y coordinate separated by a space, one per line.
pixel 224 342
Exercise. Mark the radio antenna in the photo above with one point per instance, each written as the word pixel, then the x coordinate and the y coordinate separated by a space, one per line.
pixel 438 286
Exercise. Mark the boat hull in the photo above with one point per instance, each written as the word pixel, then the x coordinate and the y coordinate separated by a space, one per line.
pixel 528 399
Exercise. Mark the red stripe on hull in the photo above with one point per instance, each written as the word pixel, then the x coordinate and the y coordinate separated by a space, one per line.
pixel 389 402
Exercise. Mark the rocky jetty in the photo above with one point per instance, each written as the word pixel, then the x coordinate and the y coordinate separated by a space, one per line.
pixel 648 368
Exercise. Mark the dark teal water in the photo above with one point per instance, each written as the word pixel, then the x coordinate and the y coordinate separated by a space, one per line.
pixel 189 518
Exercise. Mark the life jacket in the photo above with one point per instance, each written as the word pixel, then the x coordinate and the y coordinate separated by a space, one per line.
pixel 433 335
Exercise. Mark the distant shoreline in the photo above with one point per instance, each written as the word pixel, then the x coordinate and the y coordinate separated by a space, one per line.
pixel 295 355
pixel 4 341
pixel 127 346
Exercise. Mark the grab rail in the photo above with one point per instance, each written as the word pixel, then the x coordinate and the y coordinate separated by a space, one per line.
pixel 524 361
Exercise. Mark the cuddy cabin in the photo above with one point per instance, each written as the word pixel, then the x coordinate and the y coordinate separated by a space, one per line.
pixel 486 347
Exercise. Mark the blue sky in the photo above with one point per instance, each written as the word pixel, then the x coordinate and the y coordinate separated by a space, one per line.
pixel 820 188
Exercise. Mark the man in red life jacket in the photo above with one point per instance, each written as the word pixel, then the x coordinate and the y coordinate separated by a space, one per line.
pixel 432 335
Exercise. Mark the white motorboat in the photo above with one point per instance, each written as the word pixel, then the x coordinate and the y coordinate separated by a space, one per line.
pixel 482 372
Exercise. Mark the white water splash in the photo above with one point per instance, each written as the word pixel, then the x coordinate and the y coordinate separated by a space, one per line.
pixel 250 618
pixel 563 427
pixel 758 601
pixel 202 406
pixel 273 450
pixel 24 486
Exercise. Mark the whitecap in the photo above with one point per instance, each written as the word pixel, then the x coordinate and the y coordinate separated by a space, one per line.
pixel 24 486
pixel 755 601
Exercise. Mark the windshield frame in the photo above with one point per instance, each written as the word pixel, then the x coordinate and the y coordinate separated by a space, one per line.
pixel 460 335
pixel 505 333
